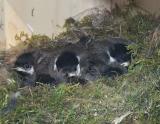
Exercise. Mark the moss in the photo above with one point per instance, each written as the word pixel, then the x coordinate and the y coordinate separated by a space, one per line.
pixel 103 100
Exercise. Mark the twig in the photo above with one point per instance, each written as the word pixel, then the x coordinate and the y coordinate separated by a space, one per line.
pixel 119 119
pixel 153 42
pixel 82 100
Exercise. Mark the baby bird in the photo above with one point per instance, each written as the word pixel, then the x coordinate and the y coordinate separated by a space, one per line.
pixel 86 60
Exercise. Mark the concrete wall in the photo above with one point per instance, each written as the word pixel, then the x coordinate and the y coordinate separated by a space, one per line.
pixel 2 34
pixel 44 15
pixel 48 16
pixel 152 6
pixel 41 16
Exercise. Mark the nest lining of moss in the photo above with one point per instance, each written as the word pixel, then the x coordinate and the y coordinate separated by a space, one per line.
pixel 105 100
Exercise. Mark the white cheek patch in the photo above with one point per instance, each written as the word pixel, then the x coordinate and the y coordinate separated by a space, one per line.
pixel 78 58
pixel 76 73
pixel 28 71
pixel 55 66
pixel 111 59
pixel 78 70
pixel 125 64
pixel 31 70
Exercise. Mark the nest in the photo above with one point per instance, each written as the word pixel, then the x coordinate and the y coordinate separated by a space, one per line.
pixel 135 93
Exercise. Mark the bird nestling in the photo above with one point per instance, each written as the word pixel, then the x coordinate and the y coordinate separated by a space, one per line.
pixel 108 58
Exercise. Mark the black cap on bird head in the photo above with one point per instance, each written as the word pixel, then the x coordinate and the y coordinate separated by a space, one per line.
pixel 25 63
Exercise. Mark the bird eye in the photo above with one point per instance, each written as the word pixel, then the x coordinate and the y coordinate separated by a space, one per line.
pixel 75 68
pixel 27 66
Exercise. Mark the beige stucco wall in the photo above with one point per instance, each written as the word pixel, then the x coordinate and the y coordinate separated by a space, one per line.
pixel 2 34
pixel 13 24
pixel 42 16
pixel 48 16
pixel 152 6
